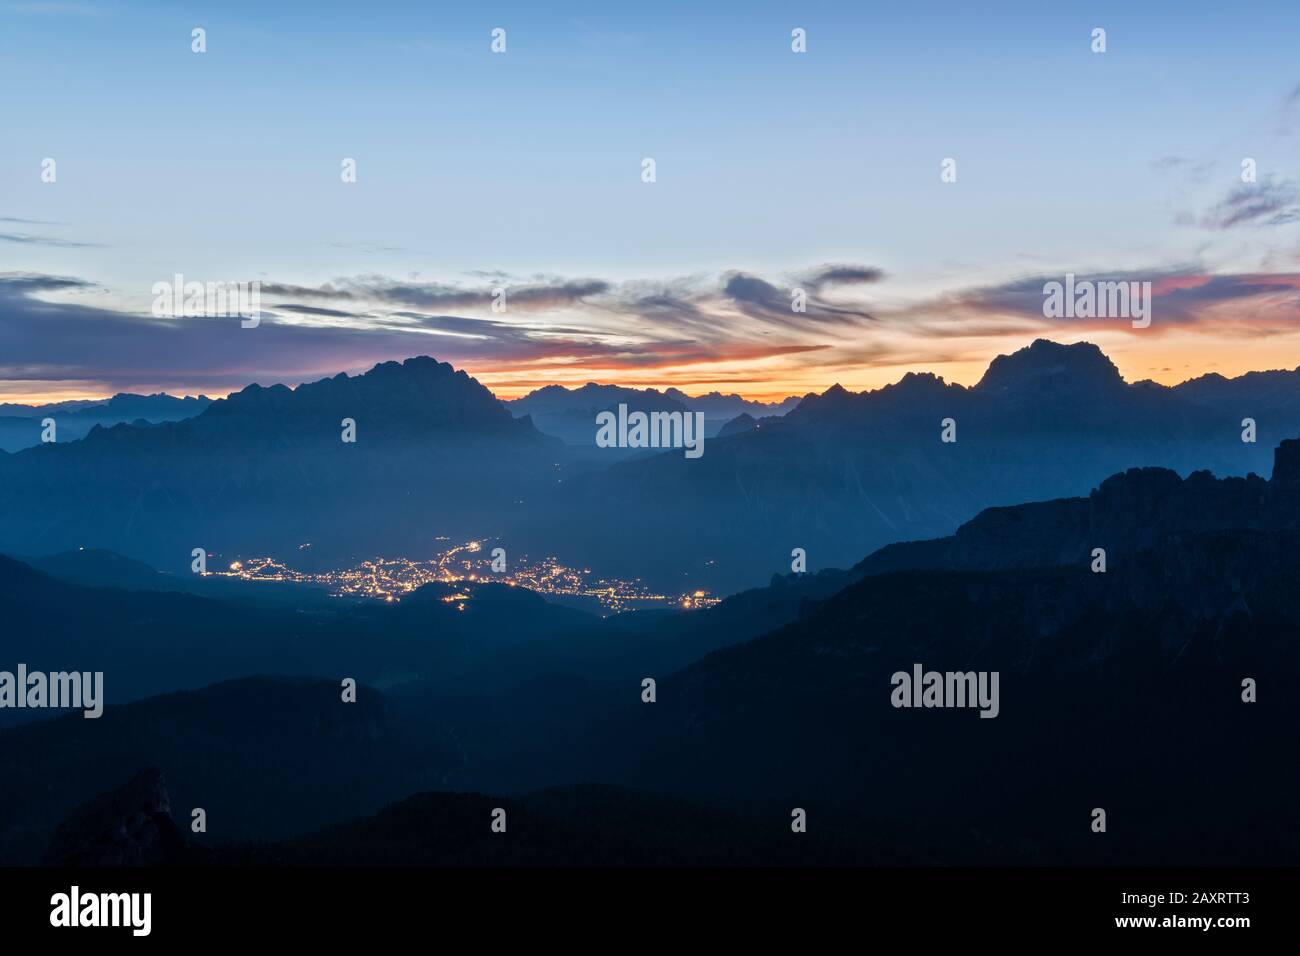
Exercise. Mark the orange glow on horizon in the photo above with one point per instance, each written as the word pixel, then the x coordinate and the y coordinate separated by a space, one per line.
pixel 1165 357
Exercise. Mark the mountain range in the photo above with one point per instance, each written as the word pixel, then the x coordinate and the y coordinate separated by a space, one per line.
pixel 268 469
pixel 570 414
pixel 21 426
pixel 840 475
pixel 846 473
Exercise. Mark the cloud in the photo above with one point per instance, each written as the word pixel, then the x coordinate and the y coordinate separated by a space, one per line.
pixel 841 275
pixel 735 327
pixel 26 283
pixel 430 295
pixel 315 310
pixel 350 324
pixel 592 315
pixel 1269 202
pixel 30 240
pixel 1251 303
pixel 760 299
pixel 1288 109
pixel 1195 170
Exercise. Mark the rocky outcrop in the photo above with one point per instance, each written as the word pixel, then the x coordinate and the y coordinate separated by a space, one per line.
pixel 1127 513
pixel 130 826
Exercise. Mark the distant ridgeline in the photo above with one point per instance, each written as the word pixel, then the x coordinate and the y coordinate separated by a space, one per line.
pixel 382 463
pixel 22 426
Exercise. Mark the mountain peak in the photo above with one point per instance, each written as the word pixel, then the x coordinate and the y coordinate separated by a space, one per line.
pixel 1286 463
pixel 1050 366
pixel 402 398
pixel 834 400
pixel 922 381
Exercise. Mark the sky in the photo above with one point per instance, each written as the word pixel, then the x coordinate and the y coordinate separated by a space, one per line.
pixel 775 171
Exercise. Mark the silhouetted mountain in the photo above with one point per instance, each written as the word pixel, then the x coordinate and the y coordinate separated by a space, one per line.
pixel 22 410
pixel 124 405
pixel 93 567
pixel 570 414
pixel 719 407
pixel 741 423
pixel 98 568
pixel 844 474
pixel 1115 687
pixel 1125 515
pixel 1120 690
pixel 593 397
pixel 130 826
pixel 1260 395
pixel 21 425
pixel 267 470
pixel 841 475
pixel 418 398
pixel 1047 372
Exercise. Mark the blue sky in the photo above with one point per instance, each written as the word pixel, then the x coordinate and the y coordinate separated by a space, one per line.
pixel 226 165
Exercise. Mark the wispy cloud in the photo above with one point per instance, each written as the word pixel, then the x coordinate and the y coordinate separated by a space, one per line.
pixel 832 275
pixel 735 329
pixel 1269 202
pixel 1196 171
pixel 1254 303
pixel 27 239
pixel 21 284
pixel 685 329
pixel 429 295
pixel 760 299
pixel 1289 110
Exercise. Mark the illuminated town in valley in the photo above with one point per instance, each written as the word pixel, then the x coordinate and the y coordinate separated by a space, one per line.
pixel 388 579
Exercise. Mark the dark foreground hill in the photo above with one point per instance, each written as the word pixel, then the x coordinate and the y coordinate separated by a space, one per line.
pixel 263 756
pixel 1121 690
pixel 594 825
pixel 1160 690
pixel 582 825
pixel 151 642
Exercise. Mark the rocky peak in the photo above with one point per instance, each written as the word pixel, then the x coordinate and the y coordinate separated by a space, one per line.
pixel 1047 366
pixel 130 826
